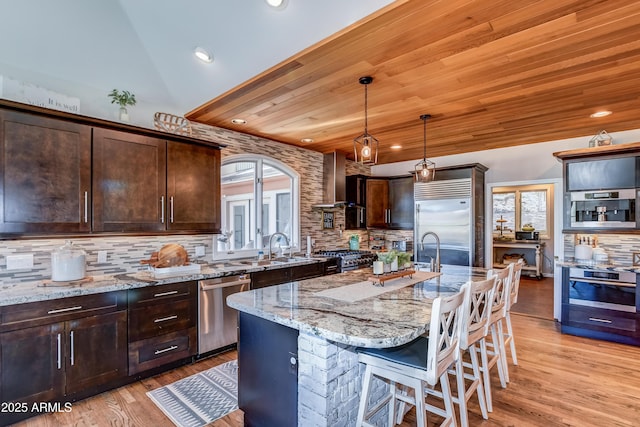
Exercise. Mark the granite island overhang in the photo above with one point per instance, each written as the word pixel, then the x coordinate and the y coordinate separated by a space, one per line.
pixel 296 349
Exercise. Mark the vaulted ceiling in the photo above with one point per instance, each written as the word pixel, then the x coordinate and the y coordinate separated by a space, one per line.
pixel 492 73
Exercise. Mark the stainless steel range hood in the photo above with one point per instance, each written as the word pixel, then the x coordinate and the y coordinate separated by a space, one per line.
pixel 334 187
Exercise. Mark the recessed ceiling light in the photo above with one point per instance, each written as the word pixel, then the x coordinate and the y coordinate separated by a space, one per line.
pixel 239 121
pixel 603 113
pixel 396 147
pixel 306 140
pixel 203 55
pixel 277 4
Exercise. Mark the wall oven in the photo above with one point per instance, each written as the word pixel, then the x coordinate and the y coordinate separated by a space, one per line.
pixel 604 209
pixel 612 290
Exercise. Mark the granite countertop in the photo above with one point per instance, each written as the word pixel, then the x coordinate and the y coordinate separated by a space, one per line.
pixel 24 292
pixel 390 319
pixel 593 265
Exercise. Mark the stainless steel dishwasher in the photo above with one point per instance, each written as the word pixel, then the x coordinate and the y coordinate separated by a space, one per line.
pixel 217 326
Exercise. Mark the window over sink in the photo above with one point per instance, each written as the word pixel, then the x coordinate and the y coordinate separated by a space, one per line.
pixel 250 181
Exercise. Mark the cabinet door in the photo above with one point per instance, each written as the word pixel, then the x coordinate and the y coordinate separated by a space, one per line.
pixel 97 350
pixel 129 182
pixel 193 187
pixel 32 364
pixel 262 279
pixel 377 203
pixel 401 203
pixel 45 174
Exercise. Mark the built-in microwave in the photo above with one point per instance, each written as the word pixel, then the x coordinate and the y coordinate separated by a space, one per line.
pixel 604 209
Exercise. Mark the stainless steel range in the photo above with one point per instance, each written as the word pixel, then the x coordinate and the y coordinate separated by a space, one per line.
pixel 348 259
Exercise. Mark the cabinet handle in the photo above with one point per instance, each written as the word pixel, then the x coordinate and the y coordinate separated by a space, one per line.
pixel 332 267
pixel 59 362
pixel 73 360
pixel 86 207
pixel 162 209
pixel 164 350
pixel 164 319
pixel 62 310
pixel 361 216
pixel 595 319
pixel 171 209
pixel 164 294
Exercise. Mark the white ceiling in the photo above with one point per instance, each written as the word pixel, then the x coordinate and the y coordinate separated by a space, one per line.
pixel 146 46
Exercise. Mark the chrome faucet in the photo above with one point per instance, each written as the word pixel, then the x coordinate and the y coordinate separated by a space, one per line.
pixel 286 239
pixel 435 266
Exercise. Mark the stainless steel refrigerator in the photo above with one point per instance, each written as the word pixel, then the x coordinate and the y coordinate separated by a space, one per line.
pixel 445 208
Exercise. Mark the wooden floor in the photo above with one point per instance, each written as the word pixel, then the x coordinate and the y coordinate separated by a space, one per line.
pixel 535 298
pixel 561 380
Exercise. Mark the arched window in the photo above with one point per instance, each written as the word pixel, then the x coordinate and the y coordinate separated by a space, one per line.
pixel 259 197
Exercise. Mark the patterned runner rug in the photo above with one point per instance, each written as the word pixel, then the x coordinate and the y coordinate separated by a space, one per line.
pixel 201 398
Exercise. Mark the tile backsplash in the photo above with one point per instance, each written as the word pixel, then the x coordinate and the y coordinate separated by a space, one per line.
pixel 124 254
pixel 619 247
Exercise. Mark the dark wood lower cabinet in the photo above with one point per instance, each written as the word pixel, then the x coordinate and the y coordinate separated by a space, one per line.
pixel 262 279
pixel 32 369
pixel 162 325
pixel 97 348
pixel 54 362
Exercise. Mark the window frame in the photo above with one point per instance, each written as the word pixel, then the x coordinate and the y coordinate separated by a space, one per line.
pixel 518 190
pixel 259 162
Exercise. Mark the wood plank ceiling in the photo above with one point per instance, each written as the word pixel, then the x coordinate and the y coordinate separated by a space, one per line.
pixel 492 73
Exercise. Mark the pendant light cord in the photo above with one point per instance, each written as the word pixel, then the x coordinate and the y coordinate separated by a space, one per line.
pixel 424 139
pixel 366 132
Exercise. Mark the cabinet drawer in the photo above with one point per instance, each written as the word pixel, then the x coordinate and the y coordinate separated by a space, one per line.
pixel 162 293
pixel 151 321
pixel 62 309
pixel 158 351
pixel 602 320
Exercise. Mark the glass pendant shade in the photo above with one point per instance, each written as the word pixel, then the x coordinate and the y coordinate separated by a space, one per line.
pixel 425 171
pixel 365 146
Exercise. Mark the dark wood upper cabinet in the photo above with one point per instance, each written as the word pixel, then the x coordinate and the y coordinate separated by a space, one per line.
pixel 193 187
pixel 401 203
pixel 129 182
pixel 63 174
pixel 45 174
pixel 377 208
pixel 390 203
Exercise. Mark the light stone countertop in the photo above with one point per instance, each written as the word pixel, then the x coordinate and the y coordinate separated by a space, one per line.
pixel 390 319
pixel 592 265
pixel 25 292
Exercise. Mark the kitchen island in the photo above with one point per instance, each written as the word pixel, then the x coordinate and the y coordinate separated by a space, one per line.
pixel 296 350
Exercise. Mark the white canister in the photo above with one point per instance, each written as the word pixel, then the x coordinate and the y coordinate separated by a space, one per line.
pixel 378 267
pixel 68 263
pixel 583 252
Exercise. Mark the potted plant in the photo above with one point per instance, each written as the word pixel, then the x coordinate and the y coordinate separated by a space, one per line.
pixel 404 260
pixel 123 99
pixel 389 259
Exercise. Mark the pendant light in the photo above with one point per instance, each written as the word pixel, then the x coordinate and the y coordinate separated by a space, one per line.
pixel 365 146
pixel 426 169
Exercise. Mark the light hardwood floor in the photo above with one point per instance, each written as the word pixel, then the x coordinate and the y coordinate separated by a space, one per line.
pixel 561 380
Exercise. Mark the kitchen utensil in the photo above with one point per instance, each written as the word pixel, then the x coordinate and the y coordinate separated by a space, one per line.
pixel 170 255
pixel 68 262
